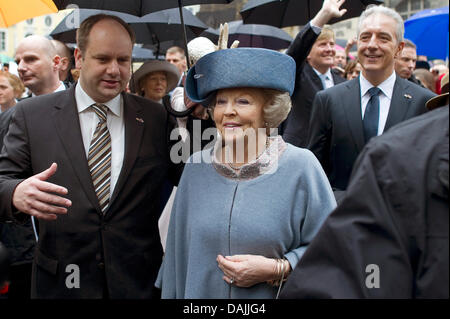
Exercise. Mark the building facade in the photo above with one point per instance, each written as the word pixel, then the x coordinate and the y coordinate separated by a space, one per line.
pixel 43 25
pixel 406 8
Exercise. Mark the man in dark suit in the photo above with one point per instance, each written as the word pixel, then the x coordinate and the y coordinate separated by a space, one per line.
pixel 313 51
pixel 338 129
pixel 89 163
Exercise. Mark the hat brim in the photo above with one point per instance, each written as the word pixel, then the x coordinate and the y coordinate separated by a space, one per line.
pixel 437 101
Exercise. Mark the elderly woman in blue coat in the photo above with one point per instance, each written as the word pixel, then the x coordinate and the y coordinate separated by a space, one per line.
pixel 247 208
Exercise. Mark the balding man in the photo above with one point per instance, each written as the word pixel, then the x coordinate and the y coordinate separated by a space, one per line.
pixel 65 63
pixel 38 65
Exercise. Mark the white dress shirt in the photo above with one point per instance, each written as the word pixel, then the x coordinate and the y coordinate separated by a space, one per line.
pixel 329 82
pixel 387 88
pixel 61 87
pixel 114 122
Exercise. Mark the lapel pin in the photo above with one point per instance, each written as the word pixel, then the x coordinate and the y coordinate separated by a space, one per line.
pixel 408 96
pixel 140 120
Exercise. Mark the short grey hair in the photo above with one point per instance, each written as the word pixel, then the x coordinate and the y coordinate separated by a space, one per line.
pixel 374 9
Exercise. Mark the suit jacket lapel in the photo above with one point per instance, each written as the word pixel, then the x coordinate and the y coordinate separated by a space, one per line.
pixel 400 101
pixel 352 109
pixel 134 129
pixel 67 125
pixel 317 82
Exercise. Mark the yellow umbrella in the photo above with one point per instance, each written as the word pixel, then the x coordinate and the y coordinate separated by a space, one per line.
pixel 13 11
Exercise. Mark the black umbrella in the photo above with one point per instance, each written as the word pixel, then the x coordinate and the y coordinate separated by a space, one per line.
pixel 142 54
pixel 286 13
pixel 162 26
pixel 253 35
pixel 140 8
pixel 134 7
pixel 150 29
pixel 137 7
pixel 65 31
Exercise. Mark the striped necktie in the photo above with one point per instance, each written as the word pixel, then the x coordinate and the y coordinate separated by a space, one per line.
pixel 99 158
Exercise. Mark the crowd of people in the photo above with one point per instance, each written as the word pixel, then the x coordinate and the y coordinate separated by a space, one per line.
pixel 298 174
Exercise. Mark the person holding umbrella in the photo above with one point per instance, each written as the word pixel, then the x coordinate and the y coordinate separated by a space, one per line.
pixel 314 52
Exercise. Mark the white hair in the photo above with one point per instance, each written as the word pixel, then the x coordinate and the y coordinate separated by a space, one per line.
pixel 374 9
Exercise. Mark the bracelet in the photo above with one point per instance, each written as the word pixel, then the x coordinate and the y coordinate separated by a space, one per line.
pixel 282 270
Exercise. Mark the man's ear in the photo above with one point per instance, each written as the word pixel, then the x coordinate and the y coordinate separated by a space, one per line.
pixel 78 58
pixel 56 61
pixel 400 47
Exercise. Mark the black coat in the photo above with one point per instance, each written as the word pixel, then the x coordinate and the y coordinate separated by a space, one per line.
pixel 395 215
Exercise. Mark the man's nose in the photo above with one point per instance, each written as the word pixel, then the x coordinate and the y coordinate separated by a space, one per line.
pixel 21 65
pixel 113 67
pixel 373 41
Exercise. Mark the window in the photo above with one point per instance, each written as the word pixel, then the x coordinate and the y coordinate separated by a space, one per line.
pixel 2 41
pixel 403 6
pixel 48 21
pixel 415 4
pixel 426 4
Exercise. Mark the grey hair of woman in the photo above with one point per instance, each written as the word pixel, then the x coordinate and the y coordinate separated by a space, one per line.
pixel 276 109
pixel 374 9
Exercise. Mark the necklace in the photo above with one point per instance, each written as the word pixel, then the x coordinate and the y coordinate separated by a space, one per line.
pixel 238 168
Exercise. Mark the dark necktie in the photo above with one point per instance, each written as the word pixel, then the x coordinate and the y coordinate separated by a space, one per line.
pixel 99 158
pixel 372 114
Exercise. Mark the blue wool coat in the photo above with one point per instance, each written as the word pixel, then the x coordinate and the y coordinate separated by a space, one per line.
pixel 275 215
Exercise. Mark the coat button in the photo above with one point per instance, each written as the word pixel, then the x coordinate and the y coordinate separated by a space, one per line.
pixel 101 266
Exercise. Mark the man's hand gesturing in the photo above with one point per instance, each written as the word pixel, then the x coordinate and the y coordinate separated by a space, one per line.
pixel 36 197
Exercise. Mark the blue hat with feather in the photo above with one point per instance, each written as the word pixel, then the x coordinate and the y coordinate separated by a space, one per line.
pixel 238 68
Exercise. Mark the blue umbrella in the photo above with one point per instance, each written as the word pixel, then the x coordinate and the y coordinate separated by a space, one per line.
pixel 428 29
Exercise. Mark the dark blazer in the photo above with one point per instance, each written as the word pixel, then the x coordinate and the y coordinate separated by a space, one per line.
pixel 394 216
pixel 5 119
pixel 336 133
pixel 307 84
pixel 118 254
